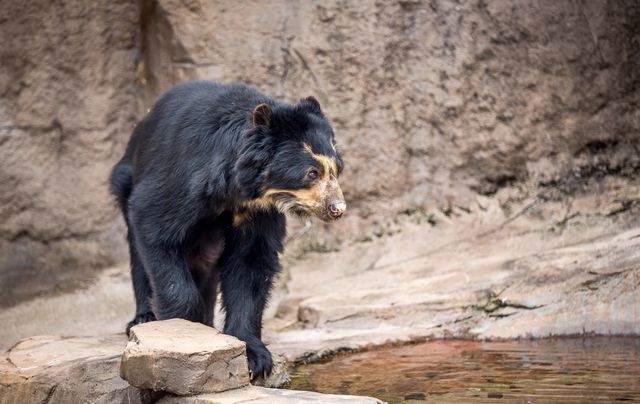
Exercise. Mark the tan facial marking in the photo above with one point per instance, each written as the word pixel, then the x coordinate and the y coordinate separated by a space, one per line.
pixel 306 197
pixel 328 163
pixel 313 199
pixel 265 202
pixel 309 197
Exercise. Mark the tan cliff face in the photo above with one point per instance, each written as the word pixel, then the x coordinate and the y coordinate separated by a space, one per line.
pixel 432 102
pixel 66 103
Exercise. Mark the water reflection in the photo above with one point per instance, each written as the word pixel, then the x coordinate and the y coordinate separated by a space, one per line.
pixel 563 370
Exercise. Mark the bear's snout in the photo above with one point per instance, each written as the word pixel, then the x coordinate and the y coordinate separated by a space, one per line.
pixel 337 208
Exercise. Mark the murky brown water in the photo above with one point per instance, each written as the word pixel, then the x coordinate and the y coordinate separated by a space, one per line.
pixel 565 370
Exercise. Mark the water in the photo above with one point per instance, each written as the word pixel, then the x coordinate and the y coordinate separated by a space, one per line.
pixel 563 370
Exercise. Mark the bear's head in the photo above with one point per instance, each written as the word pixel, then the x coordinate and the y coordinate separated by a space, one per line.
pixel 295 161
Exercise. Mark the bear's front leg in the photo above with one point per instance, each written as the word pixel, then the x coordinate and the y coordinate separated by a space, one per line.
pixel 248 267
pixel 244 303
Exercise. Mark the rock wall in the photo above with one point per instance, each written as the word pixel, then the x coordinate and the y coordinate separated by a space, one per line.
pixel 66 97
pixel 433 102
pixel 430 99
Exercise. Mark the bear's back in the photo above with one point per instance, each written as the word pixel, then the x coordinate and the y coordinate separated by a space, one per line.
pixel 208 102
pixel 189 118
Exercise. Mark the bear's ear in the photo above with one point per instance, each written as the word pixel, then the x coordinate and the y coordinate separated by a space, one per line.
pixel 312 104
pixel 262 115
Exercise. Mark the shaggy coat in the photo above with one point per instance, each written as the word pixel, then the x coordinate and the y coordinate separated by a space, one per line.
pixel 203 187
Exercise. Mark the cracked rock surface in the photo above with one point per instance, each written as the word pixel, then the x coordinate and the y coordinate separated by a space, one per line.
pixel 50 369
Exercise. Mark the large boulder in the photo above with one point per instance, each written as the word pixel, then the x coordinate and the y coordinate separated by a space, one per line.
pixel 184 358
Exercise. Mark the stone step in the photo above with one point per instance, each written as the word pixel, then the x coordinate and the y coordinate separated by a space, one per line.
pixel 183 358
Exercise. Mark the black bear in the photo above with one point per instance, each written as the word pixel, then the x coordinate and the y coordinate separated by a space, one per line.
pixel 203 186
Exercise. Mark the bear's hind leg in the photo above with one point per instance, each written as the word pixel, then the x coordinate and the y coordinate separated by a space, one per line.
pixel 175 294
pixel 121 181
pixel 208 290
pixel 157 233
pixel 204 248
pixel 141 287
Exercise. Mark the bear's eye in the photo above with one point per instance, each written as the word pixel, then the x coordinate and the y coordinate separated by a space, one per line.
pixel 312 174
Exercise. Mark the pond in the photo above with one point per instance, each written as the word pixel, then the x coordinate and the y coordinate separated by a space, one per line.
pixel 560 370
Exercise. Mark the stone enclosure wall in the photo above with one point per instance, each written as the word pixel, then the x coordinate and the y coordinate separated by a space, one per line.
pixel 433 103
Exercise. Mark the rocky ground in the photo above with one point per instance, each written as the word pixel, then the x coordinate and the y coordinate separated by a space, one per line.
pixel 546 268
pixel 173 361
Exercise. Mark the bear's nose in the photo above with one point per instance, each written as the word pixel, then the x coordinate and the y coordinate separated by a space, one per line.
pixel 337 209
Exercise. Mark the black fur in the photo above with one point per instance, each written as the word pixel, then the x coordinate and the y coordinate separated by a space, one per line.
pixel 190 167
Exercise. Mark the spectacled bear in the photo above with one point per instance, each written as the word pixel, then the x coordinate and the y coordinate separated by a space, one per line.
pixel 203 187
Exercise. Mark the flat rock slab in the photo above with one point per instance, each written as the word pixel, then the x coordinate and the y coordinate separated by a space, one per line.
pixel 184 358
pixel 262 395
pixel 49 369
